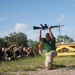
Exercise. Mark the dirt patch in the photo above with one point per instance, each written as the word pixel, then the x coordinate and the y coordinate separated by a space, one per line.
pixel 58 70
pixel 61 71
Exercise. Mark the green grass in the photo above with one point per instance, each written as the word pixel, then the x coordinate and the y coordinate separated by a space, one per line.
pixel 34 63
pixel 23 64
pixel 64 61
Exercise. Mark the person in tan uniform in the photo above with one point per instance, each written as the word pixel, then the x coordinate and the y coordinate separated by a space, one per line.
pixel 40 46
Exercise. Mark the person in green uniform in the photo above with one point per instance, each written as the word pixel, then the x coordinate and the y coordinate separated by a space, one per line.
pixel 49 43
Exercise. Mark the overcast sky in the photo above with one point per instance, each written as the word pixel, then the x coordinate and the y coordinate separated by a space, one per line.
pixel 22 15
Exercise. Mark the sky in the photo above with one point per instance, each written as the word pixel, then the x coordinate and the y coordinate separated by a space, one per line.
pixel 21 15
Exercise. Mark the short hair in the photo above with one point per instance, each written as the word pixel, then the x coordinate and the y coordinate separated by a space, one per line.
pixel 47 33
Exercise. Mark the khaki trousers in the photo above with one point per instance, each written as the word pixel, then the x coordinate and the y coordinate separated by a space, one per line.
pixel 49 57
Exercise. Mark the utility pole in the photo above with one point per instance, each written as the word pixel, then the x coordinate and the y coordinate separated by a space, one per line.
pixel 60 29
pixel 60 32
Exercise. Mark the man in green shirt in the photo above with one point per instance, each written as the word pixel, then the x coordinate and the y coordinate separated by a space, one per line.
pixel 49 44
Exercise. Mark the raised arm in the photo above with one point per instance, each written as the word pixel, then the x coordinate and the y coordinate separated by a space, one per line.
pixel 40 35
pixel 50 33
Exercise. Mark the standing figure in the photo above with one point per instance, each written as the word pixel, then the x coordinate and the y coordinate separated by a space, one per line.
pixel 40 46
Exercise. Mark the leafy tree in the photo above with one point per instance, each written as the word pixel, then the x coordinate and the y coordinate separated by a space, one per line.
pixel 30 42
pixel 16 39
pixel 35 44
pixel 65 39
pixel 3 43
pixel 59 39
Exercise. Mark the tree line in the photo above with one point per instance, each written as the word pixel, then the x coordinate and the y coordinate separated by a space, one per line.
pixel 20 38
pixel 17 39
pixel 64 39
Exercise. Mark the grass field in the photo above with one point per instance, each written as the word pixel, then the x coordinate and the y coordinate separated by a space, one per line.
pixel 33 63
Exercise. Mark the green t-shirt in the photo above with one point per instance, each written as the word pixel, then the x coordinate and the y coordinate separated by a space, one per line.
pixel 49 45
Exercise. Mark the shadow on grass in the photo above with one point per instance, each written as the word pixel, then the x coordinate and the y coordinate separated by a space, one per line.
pixel 59 66
pixel 71 67
pixel 64 66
